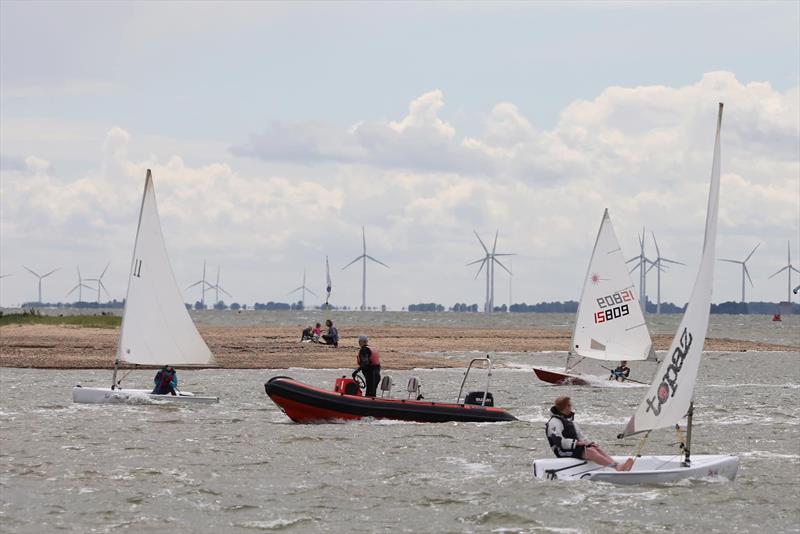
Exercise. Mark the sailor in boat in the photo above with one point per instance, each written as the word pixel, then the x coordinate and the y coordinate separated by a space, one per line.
pixel 369 363
pixel 621 373
pixel 166 381
pixel 567 440
pixel 332 337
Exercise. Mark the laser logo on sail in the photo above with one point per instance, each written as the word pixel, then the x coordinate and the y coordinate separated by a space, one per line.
pixel 669 382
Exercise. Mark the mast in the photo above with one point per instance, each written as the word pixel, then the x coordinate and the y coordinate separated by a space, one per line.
pixel 687 447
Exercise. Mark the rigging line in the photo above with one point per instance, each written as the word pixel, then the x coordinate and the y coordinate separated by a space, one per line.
pixel 635 326
pixel 642 444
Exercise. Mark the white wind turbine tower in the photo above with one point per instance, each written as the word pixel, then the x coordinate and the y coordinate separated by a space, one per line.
pixel 789 268
pixel 203 286
pixel 79 286
pixel 41 277
pixel 303 288
pixel 745 272
pixel 217 288
pixel 364 257
pixel 100 284
pixel 489 261
pixel 659 267
pixel 642 265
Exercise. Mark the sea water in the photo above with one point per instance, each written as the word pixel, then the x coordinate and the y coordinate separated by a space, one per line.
pixel 241 466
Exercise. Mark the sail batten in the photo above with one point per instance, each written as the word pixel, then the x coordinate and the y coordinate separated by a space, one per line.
pixel 609 317
pixel 670 395
pixel 156 327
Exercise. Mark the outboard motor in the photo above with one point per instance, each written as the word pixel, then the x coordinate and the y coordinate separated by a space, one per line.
pixel 414 387
pixel 476 397
pixel 386 385
pixel 347 386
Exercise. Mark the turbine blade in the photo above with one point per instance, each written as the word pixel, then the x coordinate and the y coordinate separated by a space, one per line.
pixel 486 250
pixel 483 262
pixel 632 259
pixel 71 291
pixel 352 262
pixel 294 290
pixel 794 269
pixel 731 261
pixel 378 261
pixel 500 264
pixel 477 261
pixel 511 254
pixel 32 272
pixel 51 272
pixel 658 252
pixel 312 292
pixel 747 273
pixel 779 272
pixel 494 247
pixel 190 287
pixel 672 261
pixel 104 288
pixel 364 240
pixel 752 252
pixel 104 270
pixel 226 292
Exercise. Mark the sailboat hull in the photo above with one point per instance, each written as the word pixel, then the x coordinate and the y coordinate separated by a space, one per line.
pixel 646 470
pixel 131 396
pixel 560 379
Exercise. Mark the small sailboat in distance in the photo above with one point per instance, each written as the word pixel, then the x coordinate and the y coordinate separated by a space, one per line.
pixel 671 395
pixel 609 324
pixel 156 327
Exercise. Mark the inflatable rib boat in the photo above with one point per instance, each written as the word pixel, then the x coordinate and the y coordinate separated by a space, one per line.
pixel 307 404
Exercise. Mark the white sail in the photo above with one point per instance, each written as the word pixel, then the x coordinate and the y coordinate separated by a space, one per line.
pixel 672 390
pixel 610 324
pixel 156 327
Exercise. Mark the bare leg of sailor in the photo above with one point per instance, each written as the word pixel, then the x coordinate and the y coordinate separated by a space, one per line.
pixel 598 456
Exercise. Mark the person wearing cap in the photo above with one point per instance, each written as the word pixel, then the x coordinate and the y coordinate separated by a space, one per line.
pixel 369 363
pixel 567 440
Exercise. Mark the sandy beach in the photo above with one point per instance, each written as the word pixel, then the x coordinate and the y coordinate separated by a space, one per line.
pixel 277 347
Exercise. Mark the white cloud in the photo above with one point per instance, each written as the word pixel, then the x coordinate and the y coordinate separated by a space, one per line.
pixel 421 187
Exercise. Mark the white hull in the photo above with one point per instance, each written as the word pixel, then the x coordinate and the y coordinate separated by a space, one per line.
pixel 646 469
pixel 132 396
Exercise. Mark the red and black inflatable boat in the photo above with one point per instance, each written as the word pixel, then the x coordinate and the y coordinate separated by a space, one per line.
pixel 307 404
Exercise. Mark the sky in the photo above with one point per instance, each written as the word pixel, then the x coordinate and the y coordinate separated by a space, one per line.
pixel 275 131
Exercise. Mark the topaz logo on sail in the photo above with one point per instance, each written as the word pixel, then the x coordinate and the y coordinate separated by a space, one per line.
pixel 669 382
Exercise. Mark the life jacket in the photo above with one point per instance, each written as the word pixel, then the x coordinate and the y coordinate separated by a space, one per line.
pixel 166 378
pixel 373 360
pixel 569 431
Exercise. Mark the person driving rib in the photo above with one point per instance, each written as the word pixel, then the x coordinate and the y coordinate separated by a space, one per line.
pixel 369 363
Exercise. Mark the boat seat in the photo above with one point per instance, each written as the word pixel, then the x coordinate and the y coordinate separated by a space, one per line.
pixel 386 385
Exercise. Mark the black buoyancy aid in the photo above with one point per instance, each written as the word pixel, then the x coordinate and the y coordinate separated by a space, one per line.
pixel 569 431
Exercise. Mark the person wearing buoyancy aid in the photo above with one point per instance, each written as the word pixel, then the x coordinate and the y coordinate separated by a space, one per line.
pixel 567 440
pixel 621 373
pixel 166 381
pixel 369 363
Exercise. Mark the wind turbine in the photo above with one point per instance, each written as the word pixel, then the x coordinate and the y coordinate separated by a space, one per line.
pixel 788 267
pixel 41 277
pixel 745 272
pixel 488 261
pixel 100 284
pixel 659 268
pixel 217 288
pixel 79 286
pixel 642 266
pixel 203 285
pixel 303 288
pixel 364 257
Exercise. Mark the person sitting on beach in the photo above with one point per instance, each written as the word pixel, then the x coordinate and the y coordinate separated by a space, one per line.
pixel 166 381
pixel 306 335
pixel 567 440
pixel 316 333
pixel 369 363
pixel 621 373
pixel 332 337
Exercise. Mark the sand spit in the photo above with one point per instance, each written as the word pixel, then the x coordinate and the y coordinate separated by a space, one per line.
pixel 272 347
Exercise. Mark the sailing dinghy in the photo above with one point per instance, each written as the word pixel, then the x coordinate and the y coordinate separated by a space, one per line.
pixel 671 394
pixel 609 324
pixel 156 328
